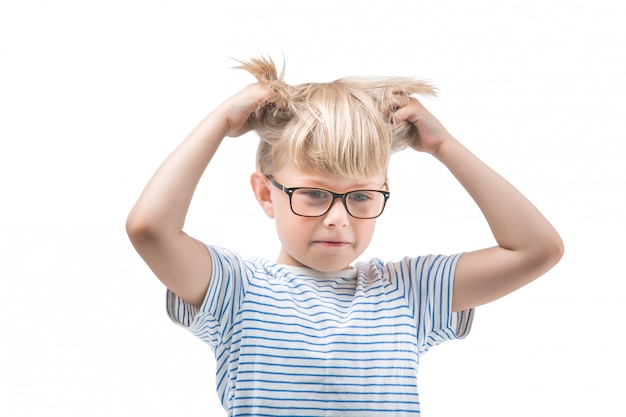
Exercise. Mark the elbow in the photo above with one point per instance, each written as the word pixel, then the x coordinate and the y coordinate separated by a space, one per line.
pixel 542 254
pixel 558 249
pixel 552 251
pixel 140 229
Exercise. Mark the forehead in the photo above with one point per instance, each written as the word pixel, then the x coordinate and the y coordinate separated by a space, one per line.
pixel 292 176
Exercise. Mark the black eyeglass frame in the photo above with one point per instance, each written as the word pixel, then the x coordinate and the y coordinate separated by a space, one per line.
pixel 292 190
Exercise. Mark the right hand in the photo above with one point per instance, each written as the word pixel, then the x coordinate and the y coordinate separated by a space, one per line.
pixel 237 109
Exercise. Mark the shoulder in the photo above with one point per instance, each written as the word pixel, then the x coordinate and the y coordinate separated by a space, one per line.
pixel 228 259
pixel 411 266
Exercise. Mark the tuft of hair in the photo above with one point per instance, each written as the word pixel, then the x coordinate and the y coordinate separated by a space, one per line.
pixel 341 128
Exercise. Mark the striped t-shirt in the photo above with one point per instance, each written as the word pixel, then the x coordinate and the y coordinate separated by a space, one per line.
pixel 297 342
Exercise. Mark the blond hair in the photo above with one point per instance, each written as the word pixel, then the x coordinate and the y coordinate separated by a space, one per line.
pixel 343 128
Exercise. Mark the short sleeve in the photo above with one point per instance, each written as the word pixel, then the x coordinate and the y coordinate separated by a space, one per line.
pixel 427 284
pixel 213 322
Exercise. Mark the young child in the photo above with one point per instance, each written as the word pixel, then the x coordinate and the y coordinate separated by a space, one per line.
pixel 313 333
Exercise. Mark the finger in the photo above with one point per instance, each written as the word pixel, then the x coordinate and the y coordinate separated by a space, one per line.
pixel 393 102
pixel 402 114
pixel 409 112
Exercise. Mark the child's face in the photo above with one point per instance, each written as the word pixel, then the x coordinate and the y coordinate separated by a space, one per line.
pixel 330 242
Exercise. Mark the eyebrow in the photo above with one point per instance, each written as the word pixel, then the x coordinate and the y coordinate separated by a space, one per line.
pixel 330 187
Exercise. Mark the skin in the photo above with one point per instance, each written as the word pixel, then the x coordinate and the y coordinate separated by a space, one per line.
pixel 527 244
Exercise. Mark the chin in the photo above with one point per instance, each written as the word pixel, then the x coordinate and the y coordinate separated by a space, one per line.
pixel 330 266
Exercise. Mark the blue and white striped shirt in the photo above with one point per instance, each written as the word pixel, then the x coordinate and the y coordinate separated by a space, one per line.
pixel 297 342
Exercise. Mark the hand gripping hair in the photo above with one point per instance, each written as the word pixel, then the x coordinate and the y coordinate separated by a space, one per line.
pixel 343 128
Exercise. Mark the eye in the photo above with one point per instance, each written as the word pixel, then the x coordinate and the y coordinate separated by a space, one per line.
pixel 314 194
pixel 360 196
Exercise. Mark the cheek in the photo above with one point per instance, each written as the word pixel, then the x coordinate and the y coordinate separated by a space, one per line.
pixel 365 231
pixel 286 221
pixel 282 212
pixel 293 231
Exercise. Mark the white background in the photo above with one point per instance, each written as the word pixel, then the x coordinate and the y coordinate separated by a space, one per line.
pixel 95 94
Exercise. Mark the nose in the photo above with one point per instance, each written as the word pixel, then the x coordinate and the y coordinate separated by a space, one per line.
pixel 337 215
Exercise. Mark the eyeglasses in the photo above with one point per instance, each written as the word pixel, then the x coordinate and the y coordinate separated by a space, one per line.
pixel 316 202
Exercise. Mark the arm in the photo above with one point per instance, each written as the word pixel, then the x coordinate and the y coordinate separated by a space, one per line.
pixel 527 244
pixel 155 223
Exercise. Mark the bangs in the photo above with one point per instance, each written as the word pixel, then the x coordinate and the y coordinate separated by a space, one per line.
pixel 338 131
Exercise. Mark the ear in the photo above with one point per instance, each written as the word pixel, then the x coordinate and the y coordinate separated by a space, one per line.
pixel 261 189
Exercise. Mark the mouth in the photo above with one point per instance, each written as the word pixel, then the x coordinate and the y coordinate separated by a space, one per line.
pixel 331 243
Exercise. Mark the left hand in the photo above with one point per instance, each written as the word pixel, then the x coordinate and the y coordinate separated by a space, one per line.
pixel 430 132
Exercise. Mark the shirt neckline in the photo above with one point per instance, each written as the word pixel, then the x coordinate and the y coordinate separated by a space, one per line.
pixel 310 272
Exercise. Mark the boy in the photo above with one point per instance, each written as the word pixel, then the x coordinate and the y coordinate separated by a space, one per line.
pixel 312 333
